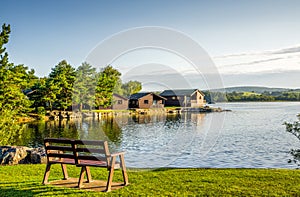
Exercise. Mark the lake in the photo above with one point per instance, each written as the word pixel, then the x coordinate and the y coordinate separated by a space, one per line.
pixel 252 135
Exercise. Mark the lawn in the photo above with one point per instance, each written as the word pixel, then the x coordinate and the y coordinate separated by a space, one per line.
pixel 25 180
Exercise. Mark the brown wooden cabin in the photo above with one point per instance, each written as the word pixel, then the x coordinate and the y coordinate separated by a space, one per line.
pixel 119 102
pixel 146 100
pixel 193 98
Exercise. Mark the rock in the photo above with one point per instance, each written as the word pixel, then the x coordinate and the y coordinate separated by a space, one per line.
pixel 12 155
pixel 38 155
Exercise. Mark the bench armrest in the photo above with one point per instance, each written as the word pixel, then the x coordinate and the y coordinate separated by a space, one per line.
pixel 117 154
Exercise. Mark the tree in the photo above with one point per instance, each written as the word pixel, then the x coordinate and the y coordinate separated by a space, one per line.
pixel 84 86
pixel 38 92
pixel 60 85
pixel 294 128
pixel 131 87
pixel 13 102
pixel 107 79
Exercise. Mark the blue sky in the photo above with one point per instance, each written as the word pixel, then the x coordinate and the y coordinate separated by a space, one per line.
pixel 46 32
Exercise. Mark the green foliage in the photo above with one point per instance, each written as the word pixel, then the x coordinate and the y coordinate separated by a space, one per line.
pixel 251 96
pixel 131 87
pixel 10 129
pixel 25 180
pixel 14 79
pixel 215 96
pixel 41 112
pixel 38 92
pixel 59 86
pixel 84 86
pixel 107 80
pixel 294 128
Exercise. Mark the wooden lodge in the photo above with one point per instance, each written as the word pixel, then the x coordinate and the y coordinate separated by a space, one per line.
pixel 146 100
pixel 192 98
pixel 119 102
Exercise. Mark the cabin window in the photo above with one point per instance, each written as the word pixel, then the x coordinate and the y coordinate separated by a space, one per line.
pixel 146 101
pixel 173 98
pixel 200 97
pixel 120 102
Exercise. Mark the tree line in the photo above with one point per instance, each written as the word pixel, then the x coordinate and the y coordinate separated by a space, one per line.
pixel 65 86
pixel 22 92
pixel 251 96
pixel 83 88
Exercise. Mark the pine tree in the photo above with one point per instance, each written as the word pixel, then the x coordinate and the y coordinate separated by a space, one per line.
pixel 13 102
pixel 59 86
pixel 84 86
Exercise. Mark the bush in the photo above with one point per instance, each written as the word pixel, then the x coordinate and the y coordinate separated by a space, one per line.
pixel 294 128
pixel 10 129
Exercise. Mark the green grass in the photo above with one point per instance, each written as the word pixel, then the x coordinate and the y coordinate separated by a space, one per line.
pixel 250 94
pixel 25 180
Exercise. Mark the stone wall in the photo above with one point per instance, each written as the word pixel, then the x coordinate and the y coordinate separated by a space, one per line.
pixel 12 155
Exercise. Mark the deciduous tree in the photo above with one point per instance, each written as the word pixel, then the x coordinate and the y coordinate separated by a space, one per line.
pixel 131 87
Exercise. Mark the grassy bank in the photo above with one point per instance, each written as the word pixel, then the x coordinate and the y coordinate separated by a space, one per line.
pixel 25 180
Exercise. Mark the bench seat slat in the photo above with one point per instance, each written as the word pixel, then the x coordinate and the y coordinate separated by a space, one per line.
pixel 91 158
pixel 65 161
pixel 96 164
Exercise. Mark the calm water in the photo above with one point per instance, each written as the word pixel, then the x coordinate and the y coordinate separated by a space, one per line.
pixel 251 136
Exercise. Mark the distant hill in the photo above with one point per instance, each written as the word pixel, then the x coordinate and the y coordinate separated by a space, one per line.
pixel 255 89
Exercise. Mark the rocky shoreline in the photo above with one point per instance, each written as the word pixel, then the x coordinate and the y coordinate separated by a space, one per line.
pixel 12 155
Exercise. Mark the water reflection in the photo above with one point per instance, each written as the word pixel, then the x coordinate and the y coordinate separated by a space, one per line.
pixel 252 136
pixel 104 128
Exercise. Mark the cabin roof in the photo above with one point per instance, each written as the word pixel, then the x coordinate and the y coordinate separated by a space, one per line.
pixel 121 97
pixel 142 94
pixel 138 95
pixel 179 92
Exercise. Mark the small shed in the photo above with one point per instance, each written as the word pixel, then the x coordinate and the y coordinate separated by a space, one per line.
pixel 119 102
pixel 146 100
pixel 184 98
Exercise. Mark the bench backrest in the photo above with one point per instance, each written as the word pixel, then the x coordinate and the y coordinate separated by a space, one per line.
pixel 59 150
pixel 77 151
pixel 93 151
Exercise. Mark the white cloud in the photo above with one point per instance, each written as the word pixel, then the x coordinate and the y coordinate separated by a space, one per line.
pixel 280 60
pixel 159 70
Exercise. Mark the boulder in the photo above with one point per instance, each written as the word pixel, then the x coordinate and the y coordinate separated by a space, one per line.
pixel 12 155
pixel 37 155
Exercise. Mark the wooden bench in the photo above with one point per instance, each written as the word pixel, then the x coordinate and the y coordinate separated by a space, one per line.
pixel 84 154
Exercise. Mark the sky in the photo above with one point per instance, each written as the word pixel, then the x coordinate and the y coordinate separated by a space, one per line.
pixel 249 42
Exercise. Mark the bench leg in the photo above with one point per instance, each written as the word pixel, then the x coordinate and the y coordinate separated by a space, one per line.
pixel 46 175
pixel 81 177
pixel 88 174
pixel 111 174
pixel 65 172
pixel 125 177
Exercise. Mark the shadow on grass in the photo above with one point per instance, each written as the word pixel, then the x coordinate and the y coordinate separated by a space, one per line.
pixel 170 169
pixel 32 188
